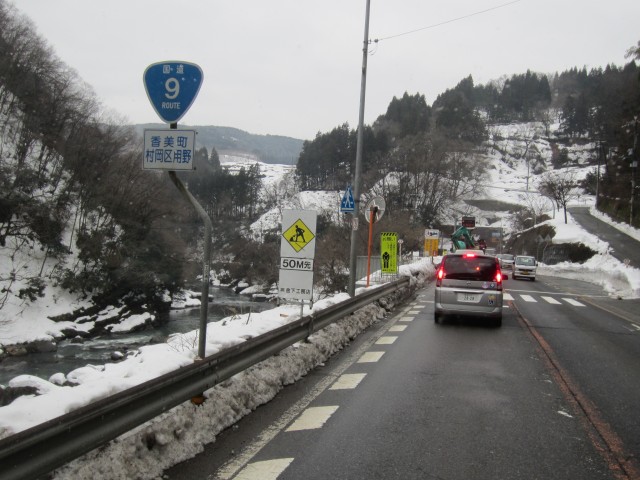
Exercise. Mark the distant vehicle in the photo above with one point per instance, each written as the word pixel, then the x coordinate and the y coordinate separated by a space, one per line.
pixel 469 283
pixel 490 251
pixel 524 267
pixel 506 260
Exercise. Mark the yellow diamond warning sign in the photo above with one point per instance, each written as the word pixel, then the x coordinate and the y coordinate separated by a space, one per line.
pixel 298 235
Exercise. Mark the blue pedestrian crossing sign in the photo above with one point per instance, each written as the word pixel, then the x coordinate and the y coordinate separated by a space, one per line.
pixel 347 204
pixel 172 87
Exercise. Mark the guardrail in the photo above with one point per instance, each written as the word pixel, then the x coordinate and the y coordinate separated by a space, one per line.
pixel 45 447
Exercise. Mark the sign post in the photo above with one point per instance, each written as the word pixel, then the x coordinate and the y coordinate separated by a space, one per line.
pixel 171 88
pixel 373 212
pixel 297 252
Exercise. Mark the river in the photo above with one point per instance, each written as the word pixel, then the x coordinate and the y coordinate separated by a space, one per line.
pixel 98 350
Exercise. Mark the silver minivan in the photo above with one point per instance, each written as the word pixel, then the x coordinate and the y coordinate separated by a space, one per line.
pixel 469 283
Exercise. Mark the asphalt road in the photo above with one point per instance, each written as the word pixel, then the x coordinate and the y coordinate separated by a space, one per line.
pixel 550 395
pixel 623 247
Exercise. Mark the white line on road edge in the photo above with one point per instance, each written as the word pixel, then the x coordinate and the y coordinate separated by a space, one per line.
pixel 229 469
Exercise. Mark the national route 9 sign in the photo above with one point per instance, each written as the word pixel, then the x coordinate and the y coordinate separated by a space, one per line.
pixel 172 87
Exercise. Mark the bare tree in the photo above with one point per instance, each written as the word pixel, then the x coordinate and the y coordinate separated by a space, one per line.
pixel 560 187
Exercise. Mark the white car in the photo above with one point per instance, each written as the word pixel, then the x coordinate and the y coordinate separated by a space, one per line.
pixel 524 267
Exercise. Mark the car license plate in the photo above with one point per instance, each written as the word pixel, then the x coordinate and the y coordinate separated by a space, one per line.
pixel 468 297
pixel 524 272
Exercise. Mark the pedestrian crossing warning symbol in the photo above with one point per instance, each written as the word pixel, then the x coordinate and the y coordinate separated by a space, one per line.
pixel 298 235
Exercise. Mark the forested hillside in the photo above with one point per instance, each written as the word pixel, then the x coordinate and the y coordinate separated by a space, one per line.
pixel 436 152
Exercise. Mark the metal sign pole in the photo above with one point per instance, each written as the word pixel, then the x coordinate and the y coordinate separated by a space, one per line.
pixel 206 270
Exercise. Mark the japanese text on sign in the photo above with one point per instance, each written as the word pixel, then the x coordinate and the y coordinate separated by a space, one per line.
pixel 169 149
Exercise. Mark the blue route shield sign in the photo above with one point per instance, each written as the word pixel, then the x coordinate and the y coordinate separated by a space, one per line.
pixel 172 87
pixel 348 204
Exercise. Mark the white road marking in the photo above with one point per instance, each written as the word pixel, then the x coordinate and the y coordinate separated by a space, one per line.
pixel 267 470
pixel 370 357
pixel 552 300
pixel 312 418
pixel 386 340
pixel 406 319
pixel 348 381
pixel 528 298
pixel 573 302
pixel 414 312
pixel 637 327
pixel 562 412
pixel 397 328
pixel 507 296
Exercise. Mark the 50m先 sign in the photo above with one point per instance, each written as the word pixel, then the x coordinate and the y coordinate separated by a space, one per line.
pixel 297 251
pixel 169 149
pixel 301 264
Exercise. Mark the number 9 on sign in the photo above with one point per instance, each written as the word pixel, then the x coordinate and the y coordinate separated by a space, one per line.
pixel 173 88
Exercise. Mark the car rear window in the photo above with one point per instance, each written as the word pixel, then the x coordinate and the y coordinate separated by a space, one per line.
pixel 470 268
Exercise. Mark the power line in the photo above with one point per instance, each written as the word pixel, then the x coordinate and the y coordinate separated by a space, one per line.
pixel 447 21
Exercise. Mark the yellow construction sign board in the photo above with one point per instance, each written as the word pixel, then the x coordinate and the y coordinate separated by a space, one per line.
pixel 389 252
pixel 297 250
pixel 298 235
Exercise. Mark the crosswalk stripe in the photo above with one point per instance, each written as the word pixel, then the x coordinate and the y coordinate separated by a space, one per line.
pixel 370 357
pixel 551 300
pixel 406 319
pixel 312 418
pixel 414 312
pixel 573 302
pixel 347 381
pixel 528 298
pixel 507 296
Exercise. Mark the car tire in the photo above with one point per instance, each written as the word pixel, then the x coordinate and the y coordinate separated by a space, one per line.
pixel 497 322
pixel 437 318
pixel 533 279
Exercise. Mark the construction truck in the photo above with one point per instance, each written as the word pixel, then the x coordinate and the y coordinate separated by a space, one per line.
pixel 461 238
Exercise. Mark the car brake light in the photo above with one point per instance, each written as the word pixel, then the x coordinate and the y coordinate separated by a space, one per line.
pixel 439 276
pixel 469 255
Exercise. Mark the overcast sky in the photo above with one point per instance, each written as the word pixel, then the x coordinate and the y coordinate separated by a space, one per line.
pixel 293 67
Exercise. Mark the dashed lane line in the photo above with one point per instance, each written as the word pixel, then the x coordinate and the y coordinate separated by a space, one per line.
pixel 312 418
pixel 241 461
pixel 267 470
pixel 397 328
pixel 348 381
pixel 386 340
pixel 370 357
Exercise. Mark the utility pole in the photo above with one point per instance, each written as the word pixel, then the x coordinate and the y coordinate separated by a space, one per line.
pixel 353 259
pixel 634 165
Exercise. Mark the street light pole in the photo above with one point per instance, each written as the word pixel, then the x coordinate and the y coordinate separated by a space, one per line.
pixel 353 259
